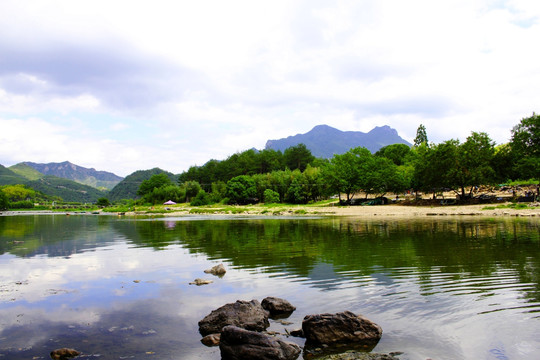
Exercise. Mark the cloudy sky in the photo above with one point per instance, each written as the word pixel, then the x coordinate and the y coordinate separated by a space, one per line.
pixel 128 85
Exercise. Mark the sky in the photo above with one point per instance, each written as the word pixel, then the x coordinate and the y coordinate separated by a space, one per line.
pixel 122 86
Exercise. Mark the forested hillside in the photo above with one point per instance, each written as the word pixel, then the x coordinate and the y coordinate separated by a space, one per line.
pixel 128 187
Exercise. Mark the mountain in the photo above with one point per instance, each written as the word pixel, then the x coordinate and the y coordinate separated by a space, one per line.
pixel 324 141
pixel 127 188
pixel 68 190
pixel 82 175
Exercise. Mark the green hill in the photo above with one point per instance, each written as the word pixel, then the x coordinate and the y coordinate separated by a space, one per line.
pixel 26 171
pixel 68 190
pixel 127 188
pixel 8 177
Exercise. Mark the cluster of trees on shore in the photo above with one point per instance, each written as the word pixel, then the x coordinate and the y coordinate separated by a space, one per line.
pixel 296 176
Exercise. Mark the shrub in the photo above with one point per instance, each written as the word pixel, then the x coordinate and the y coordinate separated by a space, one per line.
pixel 22 205
pixel 271 197
pixel 201 199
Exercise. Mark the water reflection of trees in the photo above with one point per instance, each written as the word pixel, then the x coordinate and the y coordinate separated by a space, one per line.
pixel 355 248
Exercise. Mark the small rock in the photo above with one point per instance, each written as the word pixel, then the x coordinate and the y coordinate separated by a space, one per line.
pixel 216 270
pixel 356 355
pixel 297 333
pixel 200 282
pixel 64 354
pixel 211 340
pixel 241 344
pixel 277 306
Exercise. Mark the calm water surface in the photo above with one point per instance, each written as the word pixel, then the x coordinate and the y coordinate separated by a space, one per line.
pixel 118 288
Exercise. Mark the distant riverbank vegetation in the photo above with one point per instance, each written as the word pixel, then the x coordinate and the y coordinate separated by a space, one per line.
pixel 295 176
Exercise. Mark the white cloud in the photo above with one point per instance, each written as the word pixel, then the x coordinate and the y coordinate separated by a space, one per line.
pixel 182 82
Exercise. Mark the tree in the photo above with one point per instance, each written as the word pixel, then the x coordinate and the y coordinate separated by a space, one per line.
pixel 18 192
pixel 421 136
pixel 347 173
pixel 297 157
pixel 474 165
pixel 4 202
pixel 103 202
pixel 155 181
pixel 398 153
pixel 190 189
pixel 525 143
pixel 241 190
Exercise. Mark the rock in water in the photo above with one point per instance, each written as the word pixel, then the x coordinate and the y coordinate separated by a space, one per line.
pixel 241 344
pixel 277 306
pixel 340 328
pixel 355 355
pixel 245 314
pixel 216 270
pixel 200 282
pixel 64 354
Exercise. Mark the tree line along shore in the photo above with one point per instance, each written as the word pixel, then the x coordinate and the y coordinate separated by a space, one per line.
pixel 450 169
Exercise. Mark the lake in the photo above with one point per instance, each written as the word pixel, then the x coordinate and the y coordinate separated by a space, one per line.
pixel 118 288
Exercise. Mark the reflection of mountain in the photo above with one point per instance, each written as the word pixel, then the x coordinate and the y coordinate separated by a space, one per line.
pixel 53 235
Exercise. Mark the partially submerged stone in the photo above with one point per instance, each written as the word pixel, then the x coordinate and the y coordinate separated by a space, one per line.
pixel 341 328
pixel 218 270
pixel 64 354
pixel 200 282
pixel 240 344
pixel 245 314
pixel 277 306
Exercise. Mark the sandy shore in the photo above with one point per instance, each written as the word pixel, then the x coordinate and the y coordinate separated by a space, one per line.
pixel 380 210
pixel 391 210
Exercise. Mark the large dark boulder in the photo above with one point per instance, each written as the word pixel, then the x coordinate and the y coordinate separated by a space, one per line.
pixel 241 344
pixel 341 328
pixel 245 314
pixel 277 307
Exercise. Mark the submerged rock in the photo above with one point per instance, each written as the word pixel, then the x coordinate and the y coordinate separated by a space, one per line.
pixel 244 314
pixel 64 354
pixel 218 270
pixel 341 328
pixel 241 344
pixel 277 306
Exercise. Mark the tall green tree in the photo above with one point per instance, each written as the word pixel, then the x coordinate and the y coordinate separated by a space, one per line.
pixel 421 136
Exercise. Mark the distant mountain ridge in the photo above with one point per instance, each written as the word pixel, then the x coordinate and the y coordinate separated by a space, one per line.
pixel 324 141
pixel 82 175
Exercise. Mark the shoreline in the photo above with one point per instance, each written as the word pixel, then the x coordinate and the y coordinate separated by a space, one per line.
pixel 390 210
